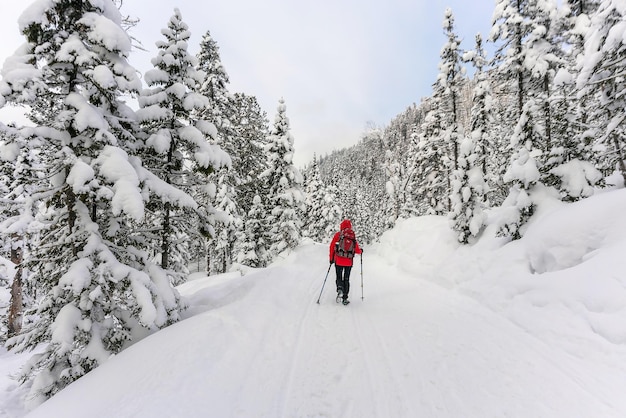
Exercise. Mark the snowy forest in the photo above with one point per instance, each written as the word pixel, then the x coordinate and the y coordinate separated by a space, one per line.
pixel 106 206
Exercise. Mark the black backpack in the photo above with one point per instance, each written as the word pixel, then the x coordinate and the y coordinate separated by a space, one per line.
pixel 346 243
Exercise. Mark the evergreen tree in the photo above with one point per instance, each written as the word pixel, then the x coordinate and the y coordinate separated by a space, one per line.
pixel 178 148
pixel 21 181
pixel 252 127
pixel 222 111
pixel 99 285
pixel 523 173
pixel 571 162
pixel 314 226
pixel 440 133
pixel 433 162
pixel 322 214
pixel 221 251
pixel 509 79
pixel 482 117
pixel 601 80
pixel 284 183
pixel 529 56
pixel 254 249
pixel 448 87
pixel 331 213
pixel 468 186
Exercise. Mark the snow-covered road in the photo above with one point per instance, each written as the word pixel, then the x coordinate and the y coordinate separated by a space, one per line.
pixel 260 346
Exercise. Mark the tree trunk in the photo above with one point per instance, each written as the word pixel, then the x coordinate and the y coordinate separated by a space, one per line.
pixel 165 245
pixel 16 306
pixel 620 157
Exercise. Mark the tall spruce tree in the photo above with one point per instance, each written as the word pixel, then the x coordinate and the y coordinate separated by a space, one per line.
pixel 469 188
pixel 284 183
pixel 253 250
pixel 21 181
pixel 528 55
pixel 252 127
pixel 601 82
pixel 222 111
pixel 440 133
pixel 98 283
pixel 433 162
pixel 178 151
pixel 313 223
pixel 448 85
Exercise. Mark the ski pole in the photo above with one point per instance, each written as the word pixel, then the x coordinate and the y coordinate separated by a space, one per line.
pixel 361 276
pixel 323 284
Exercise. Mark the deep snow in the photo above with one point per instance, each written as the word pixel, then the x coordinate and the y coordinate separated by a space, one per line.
pixel 533 328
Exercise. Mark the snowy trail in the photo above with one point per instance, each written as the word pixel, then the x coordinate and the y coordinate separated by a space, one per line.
pixel 416 349
pixel 260 346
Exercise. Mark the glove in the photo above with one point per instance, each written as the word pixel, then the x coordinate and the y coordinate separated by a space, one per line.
pixel 331 262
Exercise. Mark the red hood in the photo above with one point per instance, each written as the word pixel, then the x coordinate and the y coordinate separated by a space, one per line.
pixel 345 224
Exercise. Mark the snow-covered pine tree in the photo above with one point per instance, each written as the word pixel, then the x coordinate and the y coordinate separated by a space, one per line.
pixel 522 174
pixel 331 213
pixel 529 57
pixel 468 181
pixel 284 183
pixel 571 162
pixel 313 221
pixel 482 116
pixel 98 283
pixel 433 162
pixel 400 143
pixel 393 148
pixel 252 126
pixel 221 110
pixel 438 138
pixel 178 148
pixel 253 250
pixel 468 191
pixel 448 86
pixel 601 80
pixel 229 225
pixel 575 124
pixel 509 80
pixel 22 183
pixel 322 213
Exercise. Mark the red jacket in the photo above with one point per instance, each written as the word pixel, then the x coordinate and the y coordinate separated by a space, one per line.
pixel 342 261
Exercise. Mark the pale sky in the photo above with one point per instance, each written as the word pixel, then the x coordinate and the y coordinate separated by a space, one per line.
pixel 339 64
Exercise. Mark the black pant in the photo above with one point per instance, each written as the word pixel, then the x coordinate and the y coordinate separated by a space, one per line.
pixel 343 279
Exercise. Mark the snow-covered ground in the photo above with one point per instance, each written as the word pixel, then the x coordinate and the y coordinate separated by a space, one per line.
pixel 534 328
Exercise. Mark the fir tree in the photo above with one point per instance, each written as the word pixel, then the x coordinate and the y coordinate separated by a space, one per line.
pixel 252 127
pixel 178 148
pixel 254 248
pixel 601 81
pixel 221 110
pixel 99 285
pixel 314 227
pixel 448 87
pixel 284 183
pixel 571 162
pixel 523 173
pixel 433 162
pixel 468 186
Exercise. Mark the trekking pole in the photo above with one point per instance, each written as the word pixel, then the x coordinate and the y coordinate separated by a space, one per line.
pixel 361 276
pixel 323 284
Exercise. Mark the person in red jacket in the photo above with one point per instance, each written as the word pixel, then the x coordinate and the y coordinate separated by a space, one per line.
pixel 343 265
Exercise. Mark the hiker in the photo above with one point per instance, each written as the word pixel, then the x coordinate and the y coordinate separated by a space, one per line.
pixel 342 250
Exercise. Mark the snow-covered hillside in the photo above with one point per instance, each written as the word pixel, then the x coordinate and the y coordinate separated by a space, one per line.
pixel 533 328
